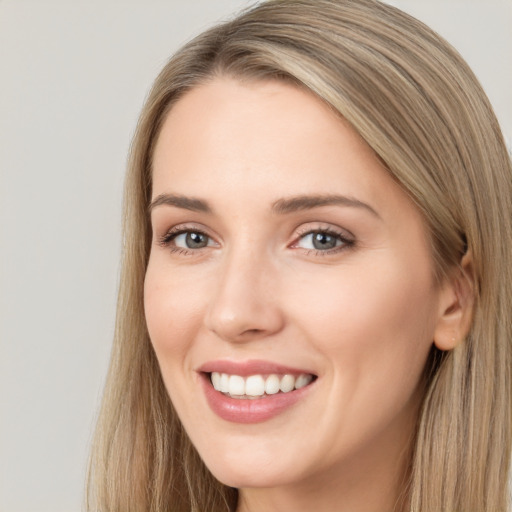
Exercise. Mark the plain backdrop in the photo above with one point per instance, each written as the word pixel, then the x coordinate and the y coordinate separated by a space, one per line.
pixel 73 77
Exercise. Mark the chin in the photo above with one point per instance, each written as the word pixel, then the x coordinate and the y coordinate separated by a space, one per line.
pixel 255 472
pixel 249 478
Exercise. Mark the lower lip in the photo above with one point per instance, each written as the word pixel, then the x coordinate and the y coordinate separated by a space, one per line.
pixel 239 410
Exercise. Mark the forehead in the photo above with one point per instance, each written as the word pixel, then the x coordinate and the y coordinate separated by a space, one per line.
pixel 242 148
pixel 228 133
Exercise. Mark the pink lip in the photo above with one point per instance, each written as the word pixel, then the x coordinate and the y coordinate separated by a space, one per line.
pixel 246 368
pixel 249 410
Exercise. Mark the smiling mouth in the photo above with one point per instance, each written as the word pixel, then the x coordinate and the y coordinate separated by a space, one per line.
pixel 258 386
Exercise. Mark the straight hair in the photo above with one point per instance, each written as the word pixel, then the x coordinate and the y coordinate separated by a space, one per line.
pixel 417 104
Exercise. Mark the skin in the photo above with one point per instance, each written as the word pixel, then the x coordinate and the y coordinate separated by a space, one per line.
pixel 362 317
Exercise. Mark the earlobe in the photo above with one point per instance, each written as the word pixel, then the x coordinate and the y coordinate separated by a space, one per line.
pixel 456 306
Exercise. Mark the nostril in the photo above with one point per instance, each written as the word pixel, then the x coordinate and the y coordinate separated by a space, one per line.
pixel 252 331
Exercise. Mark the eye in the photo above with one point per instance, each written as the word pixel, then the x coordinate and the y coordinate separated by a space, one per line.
pixel 323 240
pixel 183 239
pixel 191 240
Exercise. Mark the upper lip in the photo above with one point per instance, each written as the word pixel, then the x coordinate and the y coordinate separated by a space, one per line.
pixel 251 367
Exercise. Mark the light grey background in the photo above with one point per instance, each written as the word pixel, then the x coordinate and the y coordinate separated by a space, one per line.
pixel 73 77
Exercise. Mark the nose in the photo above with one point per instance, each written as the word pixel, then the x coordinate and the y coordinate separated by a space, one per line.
pixel 245 305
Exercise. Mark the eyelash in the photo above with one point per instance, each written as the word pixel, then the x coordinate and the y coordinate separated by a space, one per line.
pixel 347 242
pixel 167 239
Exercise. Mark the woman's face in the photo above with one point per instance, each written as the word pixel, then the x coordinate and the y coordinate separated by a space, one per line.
pixel 281 246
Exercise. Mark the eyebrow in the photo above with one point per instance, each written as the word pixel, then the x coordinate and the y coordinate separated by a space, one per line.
pixel 281 206
pixel 187 203
pixel 307 202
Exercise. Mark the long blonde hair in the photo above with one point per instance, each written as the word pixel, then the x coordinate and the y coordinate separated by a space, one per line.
pixel 418 105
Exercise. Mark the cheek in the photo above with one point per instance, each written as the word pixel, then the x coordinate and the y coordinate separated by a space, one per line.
pixel 374 327
pixel 173 312
pixel 375 333
pixel 173 316
pixel 377 304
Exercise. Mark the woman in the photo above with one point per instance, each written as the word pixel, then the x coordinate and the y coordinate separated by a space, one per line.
pixel 315 303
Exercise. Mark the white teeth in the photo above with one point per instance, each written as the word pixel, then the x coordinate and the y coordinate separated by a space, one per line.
pixel 287 383
pixel 303 380
pixel 224 383
pixel 216 380
pixel 236 385
pixel 254 385
pixel 257 385
pixel 272 385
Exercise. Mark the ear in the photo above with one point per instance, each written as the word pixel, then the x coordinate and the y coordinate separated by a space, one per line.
pixel 456 306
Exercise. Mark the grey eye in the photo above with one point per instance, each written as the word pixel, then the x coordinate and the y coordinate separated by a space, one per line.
pixel 192 240
pixel 320 241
